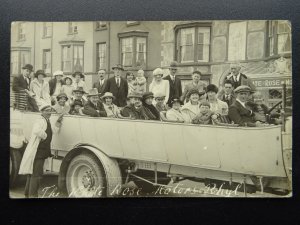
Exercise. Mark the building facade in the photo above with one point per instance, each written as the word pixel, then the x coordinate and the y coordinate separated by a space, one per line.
pixel 263 48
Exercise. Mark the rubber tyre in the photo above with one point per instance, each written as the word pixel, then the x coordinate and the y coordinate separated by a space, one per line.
pixel 14 165
pixel 149 175
pixel 85 177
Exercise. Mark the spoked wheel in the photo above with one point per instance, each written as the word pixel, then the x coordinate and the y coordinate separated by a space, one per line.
pixel 85 177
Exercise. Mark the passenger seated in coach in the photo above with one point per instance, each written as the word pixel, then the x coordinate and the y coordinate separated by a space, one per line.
pixel 76 108
pixel 174 114
pixel 191 108
pixel 159 98
pixel 261 110
pixel 151 111
pixel 61 105
pixel 94 107
pixel 136 111
pixel 205 116
pixel 111 109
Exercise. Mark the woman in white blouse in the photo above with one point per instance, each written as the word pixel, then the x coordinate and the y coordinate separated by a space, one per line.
pixel 216 105
pixel 159 85
pixel 40 88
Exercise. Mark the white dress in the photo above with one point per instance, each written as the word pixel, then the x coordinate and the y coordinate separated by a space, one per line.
pixel 41 91
pixel 160 87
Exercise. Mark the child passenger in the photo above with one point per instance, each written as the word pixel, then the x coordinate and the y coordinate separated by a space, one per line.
pixel 205 116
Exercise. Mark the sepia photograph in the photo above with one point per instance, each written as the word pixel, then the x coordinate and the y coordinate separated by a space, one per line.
pixel 130 109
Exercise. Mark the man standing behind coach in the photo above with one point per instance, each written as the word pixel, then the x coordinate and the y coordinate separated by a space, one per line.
pixel 174 82
pixel 118 86
pixel 101 83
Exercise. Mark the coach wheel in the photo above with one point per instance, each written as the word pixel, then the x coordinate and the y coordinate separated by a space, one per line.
pixel 14 165
pixel 149 175
pixel 85 177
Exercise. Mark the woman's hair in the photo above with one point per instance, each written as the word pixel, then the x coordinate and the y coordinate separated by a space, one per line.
pixel 129 73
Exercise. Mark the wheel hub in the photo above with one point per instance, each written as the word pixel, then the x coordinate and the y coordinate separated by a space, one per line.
pixel 88 180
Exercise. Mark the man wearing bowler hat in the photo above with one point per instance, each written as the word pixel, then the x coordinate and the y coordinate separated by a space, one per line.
pixel 175 89
pixel 20 86
pixel 118 86
pixel 94 107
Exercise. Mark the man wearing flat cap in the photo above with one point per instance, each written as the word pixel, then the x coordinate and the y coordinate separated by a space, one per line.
pixel 21 85
pixel 237 78
pixel 118 86
pixel 239 112
pixel 38 149
pixel 175 89
pixel 94 107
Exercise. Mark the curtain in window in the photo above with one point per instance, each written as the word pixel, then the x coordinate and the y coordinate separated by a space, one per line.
pixel 187 44
pixel 66 63
pixel 127 52
pixel 101 55
pixel 284 37
pixel 203 44
pixel 78 58
pixel 141 51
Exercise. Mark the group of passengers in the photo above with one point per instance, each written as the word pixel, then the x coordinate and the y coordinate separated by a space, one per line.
pixel 237 102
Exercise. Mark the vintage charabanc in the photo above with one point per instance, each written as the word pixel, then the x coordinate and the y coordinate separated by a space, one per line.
pixel 91 154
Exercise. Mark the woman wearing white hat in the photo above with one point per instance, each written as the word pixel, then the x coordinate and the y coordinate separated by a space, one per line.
pixel 111 109
pixel 159 85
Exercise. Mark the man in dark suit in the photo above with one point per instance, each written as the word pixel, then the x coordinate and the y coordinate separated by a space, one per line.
pixel 238 78
pixel 227 95
pixel 101 83
pixel 118 86
pixel 94 107
pixel 239 112
pixel 21 86
pixel 174 82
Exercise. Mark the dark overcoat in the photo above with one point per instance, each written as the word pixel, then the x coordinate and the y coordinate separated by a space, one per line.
pixel 175 88
pixel 91 110
pixel 241 115
pixel 120 93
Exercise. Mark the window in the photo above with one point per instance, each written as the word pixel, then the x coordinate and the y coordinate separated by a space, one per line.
pixel 193 44
pixel 101 56
pixel 72 58
pixel 47 60
pixel 47 29
pixel 131 23
pixel 133 51
pixel 284 37
pixel 279 34
pixel 18 59
pixel 100 25
pixel 271 37
pixel 73 28
pixel 21 32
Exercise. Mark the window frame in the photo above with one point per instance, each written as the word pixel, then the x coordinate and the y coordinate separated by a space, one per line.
pixel 19 65
pixel 275 36
pixel 98 58
pixel 134 35
pixel 97 28
pixel 71 45
pixel 21 36
pixel 44 60
pixel 45 34
pixel 195 26
pixel 71 28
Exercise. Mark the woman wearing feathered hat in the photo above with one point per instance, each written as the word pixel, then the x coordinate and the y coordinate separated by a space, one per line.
pixel 159 85
pixel 40 87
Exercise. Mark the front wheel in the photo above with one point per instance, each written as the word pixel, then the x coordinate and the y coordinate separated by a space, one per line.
pixel 85 177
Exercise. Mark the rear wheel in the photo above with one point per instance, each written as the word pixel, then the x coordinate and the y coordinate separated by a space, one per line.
pixel 85 177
